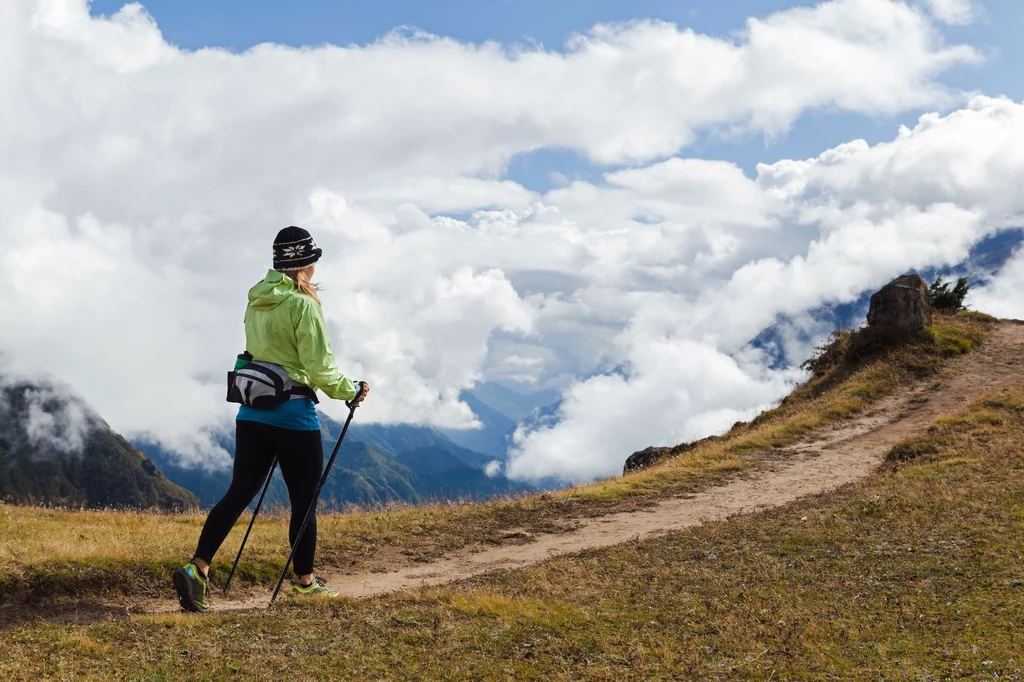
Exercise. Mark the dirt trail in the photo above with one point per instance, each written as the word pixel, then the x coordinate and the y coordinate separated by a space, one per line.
pixel 839 455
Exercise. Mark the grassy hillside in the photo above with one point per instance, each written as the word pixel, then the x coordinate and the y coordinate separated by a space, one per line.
pixel 914 573
pixel 47 554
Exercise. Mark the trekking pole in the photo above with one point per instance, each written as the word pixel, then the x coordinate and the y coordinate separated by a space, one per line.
pixel 312 507
pixel 249 529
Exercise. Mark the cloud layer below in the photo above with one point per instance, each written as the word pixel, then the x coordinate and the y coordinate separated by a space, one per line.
pixel 142 185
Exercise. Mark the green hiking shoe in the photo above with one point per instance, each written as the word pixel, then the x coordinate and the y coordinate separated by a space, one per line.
pixel 192 587
pixel 317 587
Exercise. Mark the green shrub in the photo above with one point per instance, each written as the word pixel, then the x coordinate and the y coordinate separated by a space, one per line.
pixel 946 299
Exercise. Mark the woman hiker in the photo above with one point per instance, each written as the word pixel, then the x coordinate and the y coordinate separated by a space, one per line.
pixel 284 325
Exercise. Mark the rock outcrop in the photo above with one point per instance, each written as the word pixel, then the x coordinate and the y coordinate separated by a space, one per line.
pixel 645 458
pixel 901 308
pixel 648 457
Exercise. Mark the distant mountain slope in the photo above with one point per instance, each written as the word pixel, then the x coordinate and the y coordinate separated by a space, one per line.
pixel 544 416
pixel 500 410
pixel 515 406
pixel 443 475
pixel 207 486
pixel 363 475
pixel 55 449
pixel 370 468
pixel 495 436
pixel 391 439
pixel 395 439
pixel 430 460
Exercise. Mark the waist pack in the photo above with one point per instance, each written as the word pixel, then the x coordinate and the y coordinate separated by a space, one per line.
pixel 264 385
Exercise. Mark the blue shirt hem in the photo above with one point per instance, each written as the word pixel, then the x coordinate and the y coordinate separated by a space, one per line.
pixel 298 414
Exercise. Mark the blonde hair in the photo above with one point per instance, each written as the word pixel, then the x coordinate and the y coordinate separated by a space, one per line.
pixel 306 286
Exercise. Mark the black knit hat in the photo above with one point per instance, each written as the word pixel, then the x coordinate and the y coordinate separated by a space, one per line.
pixel 294 249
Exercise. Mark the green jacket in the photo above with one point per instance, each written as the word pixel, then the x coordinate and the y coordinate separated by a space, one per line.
pixel 286 327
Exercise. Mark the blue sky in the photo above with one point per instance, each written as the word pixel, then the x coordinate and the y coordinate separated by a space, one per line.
pixel 238 25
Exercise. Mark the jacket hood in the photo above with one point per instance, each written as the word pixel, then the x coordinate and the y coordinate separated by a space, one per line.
pixel 272 291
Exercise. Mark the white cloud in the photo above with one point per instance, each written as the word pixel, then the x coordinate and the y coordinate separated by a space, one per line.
pixel 1003 296
pixel 141 186
pixel 676 390
pixel 953 11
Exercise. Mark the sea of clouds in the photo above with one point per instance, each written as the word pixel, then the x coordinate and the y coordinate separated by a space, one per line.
pixel 142 184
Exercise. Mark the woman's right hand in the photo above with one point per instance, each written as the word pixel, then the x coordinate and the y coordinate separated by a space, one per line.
pixel 364 389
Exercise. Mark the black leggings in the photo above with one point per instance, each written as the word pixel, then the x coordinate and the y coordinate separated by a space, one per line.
pixel 301 459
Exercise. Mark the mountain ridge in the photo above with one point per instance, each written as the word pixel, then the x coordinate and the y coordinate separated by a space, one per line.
pixel 54 449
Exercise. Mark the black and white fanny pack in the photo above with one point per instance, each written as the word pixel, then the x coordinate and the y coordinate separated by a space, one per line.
pixel 264 385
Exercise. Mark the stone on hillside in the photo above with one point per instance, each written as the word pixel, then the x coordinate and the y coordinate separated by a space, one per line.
pixel 644 458
pixel 648 457
pixel 901 308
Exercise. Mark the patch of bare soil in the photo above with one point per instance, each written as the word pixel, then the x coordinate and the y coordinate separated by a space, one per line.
pixel 831 458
